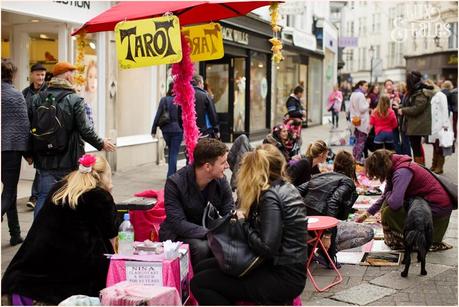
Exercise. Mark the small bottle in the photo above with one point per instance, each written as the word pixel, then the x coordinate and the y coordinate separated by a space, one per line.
pixel 126 237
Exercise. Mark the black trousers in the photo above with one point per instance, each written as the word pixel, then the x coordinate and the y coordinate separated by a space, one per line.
pixel 266 285
pixel 416 145
pixel 199 249
pixel 11 167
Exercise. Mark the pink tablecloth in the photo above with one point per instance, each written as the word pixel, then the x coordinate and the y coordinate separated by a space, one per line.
pixel 170 270
pixel 126 293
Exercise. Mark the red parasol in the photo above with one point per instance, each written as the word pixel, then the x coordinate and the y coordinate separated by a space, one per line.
pixel 189 12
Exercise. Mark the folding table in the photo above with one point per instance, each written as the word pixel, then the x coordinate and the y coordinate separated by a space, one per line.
pixel 318 224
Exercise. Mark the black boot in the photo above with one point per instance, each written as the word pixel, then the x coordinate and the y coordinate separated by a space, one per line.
pixel 13 225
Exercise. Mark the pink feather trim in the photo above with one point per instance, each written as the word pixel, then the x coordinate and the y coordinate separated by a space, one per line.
pixel 184 96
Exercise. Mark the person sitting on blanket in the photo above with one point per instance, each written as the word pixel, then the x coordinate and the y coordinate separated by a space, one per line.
pixel 334 194
pixel 405 180
pixel 282 139
pixel 187 193
pixel 300 171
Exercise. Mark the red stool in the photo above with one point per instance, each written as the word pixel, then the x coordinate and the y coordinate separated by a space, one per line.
pixel 318 224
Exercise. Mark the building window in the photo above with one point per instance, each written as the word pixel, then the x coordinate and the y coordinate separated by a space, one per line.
pixel 352 29
pixel 452 39
pixel 376 23
pixel 392 15
pixel 364 26
pixel 391 54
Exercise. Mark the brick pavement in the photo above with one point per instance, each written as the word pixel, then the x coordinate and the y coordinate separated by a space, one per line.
pixel 437 290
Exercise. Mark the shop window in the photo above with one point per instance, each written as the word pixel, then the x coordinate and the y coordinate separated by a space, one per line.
pixel 258 91
pixel 217 85
pixel 89 89
pixel 287 79
pixel 315 91
pixel 240 84
pixel 43 49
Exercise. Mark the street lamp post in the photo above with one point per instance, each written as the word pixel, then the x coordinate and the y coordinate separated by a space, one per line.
pixel 371 51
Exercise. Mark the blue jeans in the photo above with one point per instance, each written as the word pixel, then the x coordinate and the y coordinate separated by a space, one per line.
pixel 47 178
pixel 401 143
pixel 34 192
pixel 173 141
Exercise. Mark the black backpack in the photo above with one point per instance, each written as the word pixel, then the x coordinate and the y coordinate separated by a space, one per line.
pixel 49 135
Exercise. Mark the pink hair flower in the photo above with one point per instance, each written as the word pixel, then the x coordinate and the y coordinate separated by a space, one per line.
pixel 86 163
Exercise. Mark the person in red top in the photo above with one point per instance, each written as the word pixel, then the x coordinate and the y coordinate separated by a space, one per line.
pixel 405 181
pixel 384 121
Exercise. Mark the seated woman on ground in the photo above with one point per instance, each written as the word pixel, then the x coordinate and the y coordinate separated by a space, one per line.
pixel 276 230
pixel 334 194
pixel 63 253
pixel 406 180
pixel 300 171
pixel 281 138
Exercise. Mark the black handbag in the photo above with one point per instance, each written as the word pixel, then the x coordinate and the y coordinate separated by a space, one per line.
pixel 228 242
pixel 165 117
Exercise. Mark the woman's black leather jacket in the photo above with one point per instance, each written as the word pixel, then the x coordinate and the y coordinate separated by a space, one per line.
pixel 276 226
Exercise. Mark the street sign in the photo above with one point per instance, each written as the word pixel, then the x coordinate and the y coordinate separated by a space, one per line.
pixel 350 42
pixel 206 41
pixel 147 42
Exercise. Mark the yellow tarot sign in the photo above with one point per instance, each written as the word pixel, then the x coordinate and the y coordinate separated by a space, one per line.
pixel 148 42
pixel 206 41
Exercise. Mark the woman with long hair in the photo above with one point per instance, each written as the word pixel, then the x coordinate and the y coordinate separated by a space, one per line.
pixel 417 113
pixel 172 130
pixel 406 181
pixel 384 122
pixel 63 253
pixel 300 171
pixel 275 224
pixel 360 118
pixel 334 194
pixel 373 95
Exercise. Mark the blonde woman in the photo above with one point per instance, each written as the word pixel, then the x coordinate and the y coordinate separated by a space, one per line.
pixel 63 254
pixel 276 230
pixel 300 171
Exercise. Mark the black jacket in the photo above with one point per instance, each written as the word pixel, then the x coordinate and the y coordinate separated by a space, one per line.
pixel 172 108
pixel 78 130
pixel 29 91
pixel 294 107
pixel 185 204
pixel 276 227
pixel 301 171
pixel 204 105
pixel 63 253
pixel 331 194
pixel 240 146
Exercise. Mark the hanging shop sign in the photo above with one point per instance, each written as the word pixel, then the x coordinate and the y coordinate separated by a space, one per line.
pixel 206 41
pixel 148 42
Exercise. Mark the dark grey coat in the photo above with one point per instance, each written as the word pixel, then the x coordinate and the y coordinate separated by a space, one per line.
pixel 15 123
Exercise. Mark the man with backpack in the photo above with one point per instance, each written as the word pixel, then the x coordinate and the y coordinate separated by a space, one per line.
pixel 59 126
pixel 37 84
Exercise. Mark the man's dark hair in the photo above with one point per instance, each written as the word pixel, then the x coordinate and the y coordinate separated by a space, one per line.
pixel 196 80
pixel 388 80
pixel 208 150
pixel 8 70
pixel 298 90
pixel 170 91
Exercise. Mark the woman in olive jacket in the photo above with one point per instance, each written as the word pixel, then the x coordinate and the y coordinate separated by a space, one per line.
pixel 276 230
pixel 417 113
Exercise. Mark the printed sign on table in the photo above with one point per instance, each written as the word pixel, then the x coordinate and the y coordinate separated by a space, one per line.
pixel 206 41
pixel 145 273
pixel 148 42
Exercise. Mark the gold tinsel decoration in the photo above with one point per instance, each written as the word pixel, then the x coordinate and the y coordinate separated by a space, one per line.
pixel 81 43
pixel 275 41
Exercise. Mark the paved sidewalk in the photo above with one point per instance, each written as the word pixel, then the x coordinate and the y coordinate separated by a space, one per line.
pixel 361 286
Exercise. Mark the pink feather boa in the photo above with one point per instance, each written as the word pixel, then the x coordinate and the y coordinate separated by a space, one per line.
pixel 184 96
